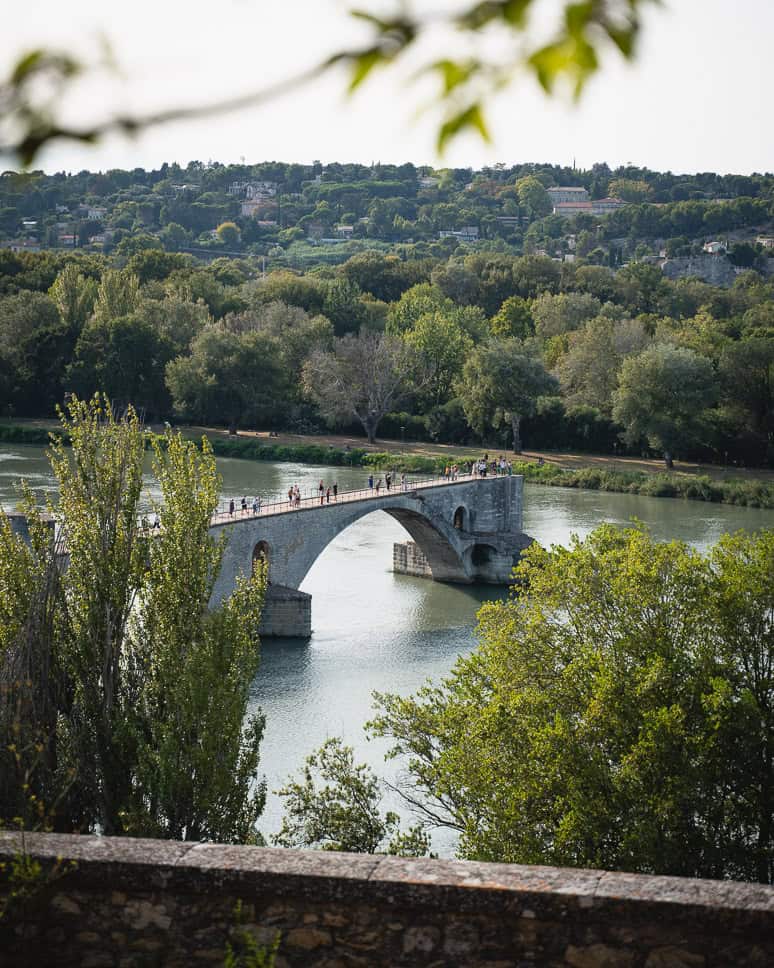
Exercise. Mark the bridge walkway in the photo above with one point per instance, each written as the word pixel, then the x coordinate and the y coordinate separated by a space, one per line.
pixel 312 501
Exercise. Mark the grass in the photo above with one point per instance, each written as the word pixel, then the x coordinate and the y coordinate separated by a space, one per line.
pixel 588 472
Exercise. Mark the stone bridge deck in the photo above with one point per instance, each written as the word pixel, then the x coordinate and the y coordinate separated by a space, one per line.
pixel 313 502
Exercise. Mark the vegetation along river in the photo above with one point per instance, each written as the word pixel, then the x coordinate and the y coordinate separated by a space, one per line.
pixel 374 630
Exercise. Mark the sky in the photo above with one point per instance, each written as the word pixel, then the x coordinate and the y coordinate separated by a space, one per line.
pixel 698 97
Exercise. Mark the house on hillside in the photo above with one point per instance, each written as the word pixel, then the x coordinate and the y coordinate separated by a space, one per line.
pixel 713 248
pixel 468 233
pixel 567 193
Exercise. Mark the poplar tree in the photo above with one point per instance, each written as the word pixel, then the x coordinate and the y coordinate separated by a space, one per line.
pixel 127 695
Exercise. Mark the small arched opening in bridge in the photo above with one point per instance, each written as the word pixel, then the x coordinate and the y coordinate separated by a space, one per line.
pixel 459 518
pixel 261 555
pixel 482 555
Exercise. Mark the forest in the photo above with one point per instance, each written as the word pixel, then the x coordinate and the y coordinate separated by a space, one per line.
pixel 545 333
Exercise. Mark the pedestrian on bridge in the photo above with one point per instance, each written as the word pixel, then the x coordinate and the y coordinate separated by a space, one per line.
pixel 328 495
pixel 371 481
pixel 231 508
pixel 321 490
pixel 335 491
pixel 244 505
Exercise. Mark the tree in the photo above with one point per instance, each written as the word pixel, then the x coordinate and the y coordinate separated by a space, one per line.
pixel 663 395
pixel 513 320
pixel 441 346
pixel 134 681
pixel 533 197
pixel 363 377
pixel 631 190
pixel 73 295
pixel 228 378
pixel 123 357
pixel 118 294
pixel 228 233
pixel 500 383
pixel 335 806
pixel 617 714
pixel 563 313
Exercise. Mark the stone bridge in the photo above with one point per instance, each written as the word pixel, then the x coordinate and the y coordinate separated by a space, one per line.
pixel 467 530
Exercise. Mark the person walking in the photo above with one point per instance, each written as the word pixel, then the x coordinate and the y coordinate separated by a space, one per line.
pixel 291 495
pixel 371 482
pixel 378 485
pixel 321 491
pixel 335 491
pixel 256 506
pixel 403 482
pixel 388 480
pixel 328 495
pixel 231 508
pixel 244 505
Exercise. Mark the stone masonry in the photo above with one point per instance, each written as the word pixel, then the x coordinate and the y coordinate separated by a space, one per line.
pixel 141 903
pixel 468 530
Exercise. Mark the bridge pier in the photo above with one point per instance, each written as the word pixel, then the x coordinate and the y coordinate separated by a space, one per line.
pixel 287 613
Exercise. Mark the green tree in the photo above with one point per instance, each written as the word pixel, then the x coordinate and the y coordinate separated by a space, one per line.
pixel 74 296
pixel 335 804
pixel 563 312
pixel 632 190
pixel 228 233
pixel 125 358
pixel 228 378
pixel 663 396
pixel 118 294
pixel 618 713
pixel 513 320
pixel 500 383
pixel 533 197
pixel 441 346
pixel 140 688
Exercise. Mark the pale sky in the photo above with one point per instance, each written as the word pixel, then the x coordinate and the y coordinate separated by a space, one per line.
pixel 697 99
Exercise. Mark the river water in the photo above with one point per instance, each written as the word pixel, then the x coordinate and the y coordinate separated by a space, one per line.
pixel 374 630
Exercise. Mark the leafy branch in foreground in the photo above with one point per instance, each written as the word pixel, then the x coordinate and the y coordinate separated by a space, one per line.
pixel 335 806
pixel 29 120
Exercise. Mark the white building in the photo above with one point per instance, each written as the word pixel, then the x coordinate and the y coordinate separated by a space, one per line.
pixel 468 233
pixel 713 248
pixel 567 193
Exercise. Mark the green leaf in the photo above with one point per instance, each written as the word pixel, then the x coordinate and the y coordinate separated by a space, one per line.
pixel 454 73
pixel 470 117
pixel 363 65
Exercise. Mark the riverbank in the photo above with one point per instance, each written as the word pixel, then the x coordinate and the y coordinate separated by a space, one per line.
pixel 736 486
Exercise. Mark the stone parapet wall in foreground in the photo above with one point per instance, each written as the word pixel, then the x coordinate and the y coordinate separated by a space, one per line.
pixel 149 903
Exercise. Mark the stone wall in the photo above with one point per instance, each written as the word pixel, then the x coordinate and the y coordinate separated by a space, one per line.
pixel 408 559
pixel 147 903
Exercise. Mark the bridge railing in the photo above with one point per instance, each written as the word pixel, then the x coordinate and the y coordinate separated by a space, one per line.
pixel 312 497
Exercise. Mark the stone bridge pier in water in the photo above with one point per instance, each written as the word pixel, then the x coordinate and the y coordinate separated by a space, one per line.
pixel 467 530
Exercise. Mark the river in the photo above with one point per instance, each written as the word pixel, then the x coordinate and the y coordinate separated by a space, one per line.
pixel 374 630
